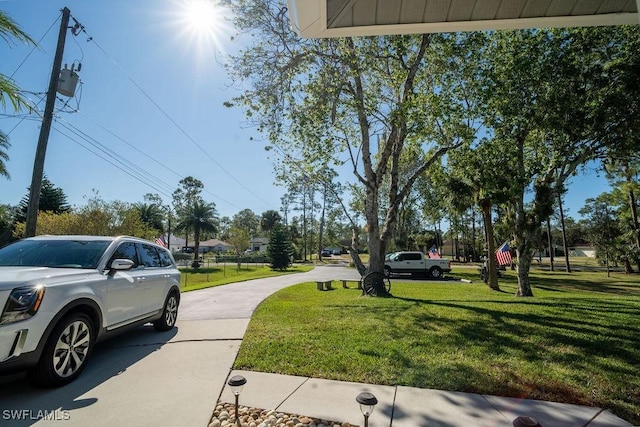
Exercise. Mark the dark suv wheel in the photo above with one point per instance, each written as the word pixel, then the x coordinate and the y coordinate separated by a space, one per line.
pixel 66 352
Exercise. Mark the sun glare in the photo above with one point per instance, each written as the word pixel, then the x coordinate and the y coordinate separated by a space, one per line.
pixel 203 23
pixel 201 15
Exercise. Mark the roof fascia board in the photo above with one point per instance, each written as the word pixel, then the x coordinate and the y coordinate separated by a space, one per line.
pixel 309 17
pixel 506 24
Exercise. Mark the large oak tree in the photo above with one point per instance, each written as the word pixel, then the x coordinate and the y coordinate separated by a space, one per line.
pixel 551 102
pixel 358 101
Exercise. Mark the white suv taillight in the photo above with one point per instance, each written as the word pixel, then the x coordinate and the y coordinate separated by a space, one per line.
pixel 22 304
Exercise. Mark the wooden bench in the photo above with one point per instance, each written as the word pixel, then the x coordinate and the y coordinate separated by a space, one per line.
pixel 345 281
pixel 323 284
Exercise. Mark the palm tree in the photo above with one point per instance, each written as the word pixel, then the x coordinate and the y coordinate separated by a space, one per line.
pixel 151 214
pixel 199 217
pixel 4 145
pixel 269 219
pixel 10 30
pixel 8 90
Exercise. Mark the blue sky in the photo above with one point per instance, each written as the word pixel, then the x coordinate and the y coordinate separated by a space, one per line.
pixel 152 92
pixel 151 50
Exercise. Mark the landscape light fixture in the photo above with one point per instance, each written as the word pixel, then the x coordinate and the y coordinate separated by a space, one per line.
pixel 236 383
pixel 526 422
pixel 367 403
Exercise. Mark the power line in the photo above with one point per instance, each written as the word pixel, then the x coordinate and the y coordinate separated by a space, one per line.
pixel 35 47
pixel 141 173
pixel 180 128
pixel 114 164
pixel 116 157
pixel 163 165
pixel 32 108
pixel 133 167
pixel 148 180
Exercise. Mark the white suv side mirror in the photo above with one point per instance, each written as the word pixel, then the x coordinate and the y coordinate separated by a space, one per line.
pixel 121 264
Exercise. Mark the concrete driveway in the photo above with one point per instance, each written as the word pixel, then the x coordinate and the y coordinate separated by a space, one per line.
pixel 149 378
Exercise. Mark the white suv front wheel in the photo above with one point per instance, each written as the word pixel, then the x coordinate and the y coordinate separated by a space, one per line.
pixel 66 353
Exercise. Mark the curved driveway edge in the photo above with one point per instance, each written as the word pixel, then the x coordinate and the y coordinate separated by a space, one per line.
pixel 239 300
pixel 146 378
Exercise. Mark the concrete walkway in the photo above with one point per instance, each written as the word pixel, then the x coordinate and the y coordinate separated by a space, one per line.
pixel 406 406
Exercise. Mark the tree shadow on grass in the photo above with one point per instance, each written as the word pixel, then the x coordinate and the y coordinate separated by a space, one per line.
pixel 581 341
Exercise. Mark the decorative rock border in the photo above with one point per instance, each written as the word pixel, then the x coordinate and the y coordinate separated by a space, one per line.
pixel 224 416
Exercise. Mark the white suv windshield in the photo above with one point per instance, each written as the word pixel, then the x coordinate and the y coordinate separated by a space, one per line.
pixel 54 253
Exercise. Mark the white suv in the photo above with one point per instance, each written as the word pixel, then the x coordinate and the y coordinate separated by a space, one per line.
pixel 59 295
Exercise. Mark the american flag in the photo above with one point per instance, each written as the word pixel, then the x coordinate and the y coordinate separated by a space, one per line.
pixel 503 254
pixel 433 252
pixel 160 241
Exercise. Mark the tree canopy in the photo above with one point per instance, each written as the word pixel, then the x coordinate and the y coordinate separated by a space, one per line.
pixel 52 199
pixel 359 101
pixel 531 107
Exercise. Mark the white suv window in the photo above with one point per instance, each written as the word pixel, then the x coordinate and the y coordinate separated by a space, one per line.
pixel 149 255
pixel 165 258
pixel 126 250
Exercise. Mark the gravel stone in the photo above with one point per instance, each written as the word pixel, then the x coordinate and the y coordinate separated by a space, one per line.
pixel 224 415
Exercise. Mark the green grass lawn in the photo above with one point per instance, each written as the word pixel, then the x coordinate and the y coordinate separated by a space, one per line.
pixel 576 341
pixel 208 277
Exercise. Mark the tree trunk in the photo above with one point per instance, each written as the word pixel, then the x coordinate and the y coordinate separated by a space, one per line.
pixel 524 247
pixel 474 249
pixel 304 223
pixel 376 253
pixel 634 210
pixel 485 205
pixel 377 246
pixel 564 235
pixel 353 251
pixel 523 235
pixel 321 225
pixel 523 266
pixel 465 243
pixel 627 266
pixel 196 248
pixel 169 231
pixel 453 249
pixel 550 244
pixel 377 238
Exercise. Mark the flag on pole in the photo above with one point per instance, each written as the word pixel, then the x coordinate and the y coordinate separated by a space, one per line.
pixel 433 252
pixel 503 254
pixel 160 241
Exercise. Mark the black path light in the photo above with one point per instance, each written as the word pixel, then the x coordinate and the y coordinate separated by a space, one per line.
pixel 236 383
pixel 526 422
pixel 367 403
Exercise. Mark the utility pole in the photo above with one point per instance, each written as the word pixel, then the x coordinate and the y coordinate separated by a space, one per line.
pixel 45 129
pixel 169 228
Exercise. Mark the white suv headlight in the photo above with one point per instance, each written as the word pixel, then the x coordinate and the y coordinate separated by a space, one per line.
pixel 22 304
